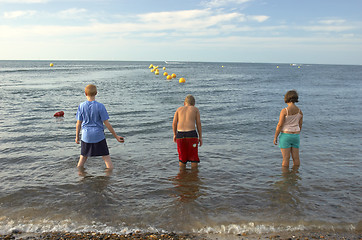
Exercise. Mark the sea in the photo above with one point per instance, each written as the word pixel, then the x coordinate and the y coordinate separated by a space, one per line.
pixel 239 187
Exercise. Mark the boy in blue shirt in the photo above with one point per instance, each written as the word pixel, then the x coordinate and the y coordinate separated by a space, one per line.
pixel 90 118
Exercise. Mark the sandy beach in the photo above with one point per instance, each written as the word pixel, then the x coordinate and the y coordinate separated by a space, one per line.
pixel 302 235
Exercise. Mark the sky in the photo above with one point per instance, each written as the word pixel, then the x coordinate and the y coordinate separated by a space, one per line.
pixel 266 31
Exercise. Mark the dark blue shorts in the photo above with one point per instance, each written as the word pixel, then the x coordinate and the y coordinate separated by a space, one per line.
pixel 94 149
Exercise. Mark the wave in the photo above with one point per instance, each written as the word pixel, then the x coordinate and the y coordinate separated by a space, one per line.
pixel 175 62
pixel 71 68
pixel 247 228
pixel 67 225
pixel 264 228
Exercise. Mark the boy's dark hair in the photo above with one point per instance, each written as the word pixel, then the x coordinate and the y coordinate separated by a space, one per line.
pixel 291 96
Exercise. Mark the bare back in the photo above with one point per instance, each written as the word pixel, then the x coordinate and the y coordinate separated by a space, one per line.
pixel 187 117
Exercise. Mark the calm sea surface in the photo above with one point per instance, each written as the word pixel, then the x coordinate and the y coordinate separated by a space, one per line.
pixel 240 186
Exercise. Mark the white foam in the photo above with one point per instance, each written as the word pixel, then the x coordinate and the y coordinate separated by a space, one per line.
pixel 68 225
pixel 40 226
pixel 250 227
pixel 262 228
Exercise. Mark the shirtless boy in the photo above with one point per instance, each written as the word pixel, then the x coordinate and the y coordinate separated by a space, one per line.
pixel 185 123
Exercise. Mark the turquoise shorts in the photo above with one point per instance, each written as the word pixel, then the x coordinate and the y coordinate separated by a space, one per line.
pixel 288 140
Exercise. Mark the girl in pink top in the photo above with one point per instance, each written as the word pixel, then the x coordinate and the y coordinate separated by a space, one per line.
pixel 289 127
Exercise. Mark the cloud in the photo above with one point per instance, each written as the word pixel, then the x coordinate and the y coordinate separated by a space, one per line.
pixel 221 3
pixel 18 14
pixel 349 36
pixel 258 18
pixel 191 21
pixel 197 23
pixel 173 16
pixel 188 21
pixel 65 14
pixel 330 28
pixel 24 1
pixel 332 21
pixel 71 13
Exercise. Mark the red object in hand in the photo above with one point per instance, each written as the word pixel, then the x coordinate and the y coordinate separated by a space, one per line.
pixel 59 114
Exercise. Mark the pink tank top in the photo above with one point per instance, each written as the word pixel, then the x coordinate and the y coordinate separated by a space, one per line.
pixel 291 123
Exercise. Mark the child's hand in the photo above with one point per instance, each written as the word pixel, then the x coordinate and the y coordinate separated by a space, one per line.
pixel 77 140
pixel 200 141
pixel 120 139
pixel 275 141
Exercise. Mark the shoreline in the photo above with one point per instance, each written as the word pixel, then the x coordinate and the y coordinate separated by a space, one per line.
pixel 300 235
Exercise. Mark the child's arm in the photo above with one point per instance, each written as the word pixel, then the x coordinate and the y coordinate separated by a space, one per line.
pixel 174 125
pixel 198 125
pixel 279 126
pixel 110 128
pixel 301 121
pixel 77 131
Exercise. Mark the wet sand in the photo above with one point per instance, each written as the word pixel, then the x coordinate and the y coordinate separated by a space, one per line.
pixel 99 236
pixel 173 236
pixel 306 235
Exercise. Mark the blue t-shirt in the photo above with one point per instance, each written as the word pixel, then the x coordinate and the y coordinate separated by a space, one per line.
pixel 92 114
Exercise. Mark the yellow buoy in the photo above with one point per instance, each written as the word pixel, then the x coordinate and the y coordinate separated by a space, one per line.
pixel 151 66
pixel 298 66
pixel 157 73
pixel 165 74
pixel 173 75
pixel 152 70
pixel 51 64
pixel 277 66
pixel 164 68
pixel 169 77
pixel 182 80
pixel 222 66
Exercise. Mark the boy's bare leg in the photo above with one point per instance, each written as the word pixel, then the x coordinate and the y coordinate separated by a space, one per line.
pixel 295 169
pixel 286 156
pixel 108 172
pixel 108 162
pixel 81 171
pixel 82 160
pixel 285 170
pixel 194 165
pixel 295 156
pixel 182 165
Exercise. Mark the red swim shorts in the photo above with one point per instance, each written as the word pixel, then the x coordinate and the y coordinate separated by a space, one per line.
pixel 187 146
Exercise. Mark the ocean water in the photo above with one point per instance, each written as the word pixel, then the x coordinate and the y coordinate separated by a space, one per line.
pixel 240 185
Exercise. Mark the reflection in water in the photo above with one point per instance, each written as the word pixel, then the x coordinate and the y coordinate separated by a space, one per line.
pixel 94 186
pixel 187 185
pixel 285 192
pixel 83 173
pixel 96 197
pixel 184 212
pixel 291 176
